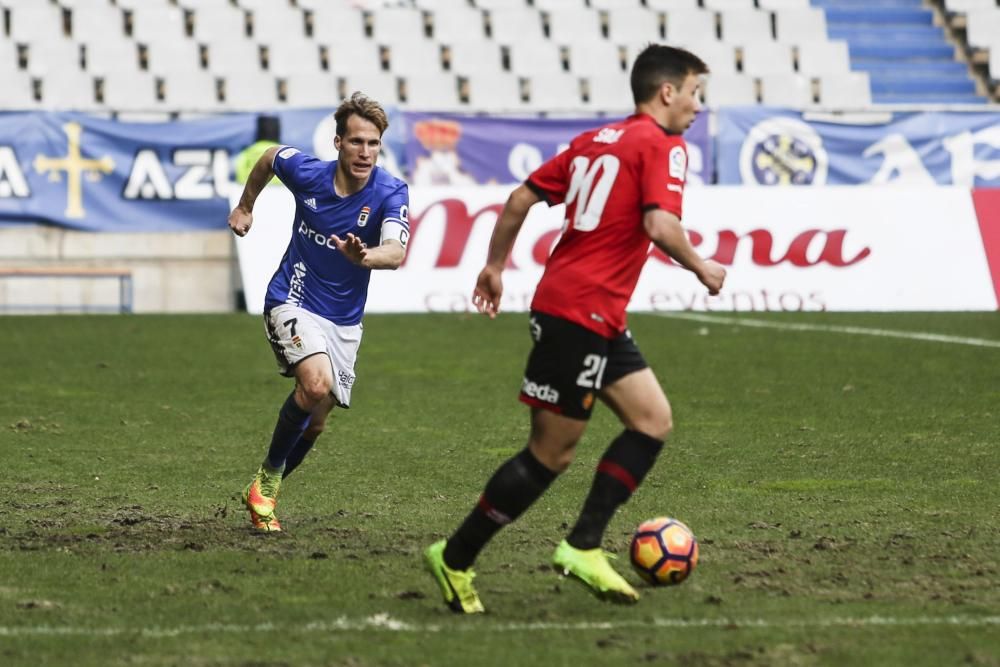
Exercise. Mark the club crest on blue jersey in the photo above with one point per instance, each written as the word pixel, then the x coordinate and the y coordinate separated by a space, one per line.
pixel 363 216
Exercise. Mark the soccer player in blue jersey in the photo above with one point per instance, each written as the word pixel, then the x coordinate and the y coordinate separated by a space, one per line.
pixel 350 218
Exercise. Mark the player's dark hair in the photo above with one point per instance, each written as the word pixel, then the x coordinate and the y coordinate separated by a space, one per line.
pixel 360 104
pixel 658 63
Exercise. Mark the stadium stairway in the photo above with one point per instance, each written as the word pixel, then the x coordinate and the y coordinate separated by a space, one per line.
pixel 907 57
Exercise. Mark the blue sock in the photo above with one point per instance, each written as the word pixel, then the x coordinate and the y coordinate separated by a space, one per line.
pixel 298 453
pixel 292 421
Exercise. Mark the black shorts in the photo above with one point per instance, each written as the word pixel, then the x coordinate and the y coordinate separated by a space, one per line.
pixel 569 365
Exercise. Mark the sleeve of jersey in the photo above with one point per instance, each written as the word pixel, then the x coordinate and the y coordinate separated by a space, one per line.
pixel 551 180
pixel 396 223
pixel 293 167
pixel 664 172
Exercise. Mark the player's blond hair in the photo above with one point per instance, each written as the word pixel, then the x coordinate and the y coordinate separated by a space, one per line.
pixel 361 105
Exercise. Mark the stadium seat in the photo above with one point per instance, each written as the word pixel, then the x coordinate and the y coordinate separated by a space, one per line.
pixel 495 94
pixel 63 90
pixel 786 90
pixel 191 91
pixel 129 91
pixel 848 91
pixel 173 57
pixel 221 24
pixel 613 6
pixel 558 92
pixel 510 25
pixel 347 57
pixel 983 28
pixel 824 58
pixel 52 54
pixel 443 5
pixel 326 5
pixel 489 5
pixel 474 58
pixel 728 5
pixel 764 58
pixel 236 56
pixel 391 24
pixel 535 57
pixel 415 56
pixel 96 22
pixel 32 22
pixel 280 23
pixel 730 90
pixel 634 25
pixel 199 5
pixel 157 24
pixel 773 5
pixel 286 57
pixel 574 25
pixel 381 86
pixel 745 26
pixel 800 26
pixel 333 21
pixel 719 56
pixel 361 57
pixel 248 91
pixel 18 89
pixel 111 55
pixel 311 90
pixel 597 58
pixel 691 26
pixel 965 6
pixel 455 25
pixel 609 93
pixel 556 5
pixel 672 5
pixel 436 91
pixel 129 5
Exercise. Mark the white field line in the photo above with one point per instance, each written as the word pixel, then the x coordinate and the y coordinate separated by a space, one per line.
pixel 385 623
pixel 825 328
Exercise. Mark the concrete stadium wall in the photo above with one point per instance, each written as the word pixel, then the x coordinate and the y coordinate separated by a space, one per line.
pixel 177 272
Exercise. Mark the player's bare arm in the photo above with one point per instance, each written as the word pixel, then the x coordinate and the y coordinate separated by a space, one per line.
pixel 241 218
pixel 389 255
pixel 489 285
pixel 665 230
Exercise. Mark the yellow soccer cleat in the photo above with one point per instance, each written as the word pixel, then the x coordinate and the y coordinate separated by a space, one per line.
pixel 456 585
pixel 592 568
pixel 261 497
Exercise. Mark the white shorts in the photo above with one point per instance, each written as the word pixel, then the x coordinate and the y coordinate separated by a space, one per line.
pixel 295 333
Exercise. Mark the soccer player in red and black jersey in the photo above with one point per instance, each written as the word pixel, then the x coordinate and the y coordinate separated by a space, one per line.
pixel 623 186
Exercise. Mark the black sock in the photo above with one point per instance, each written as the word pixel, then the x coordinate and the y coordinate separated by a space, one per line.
pixel 298 453
pixel 513 488
pixel 292 421
pixel 619 473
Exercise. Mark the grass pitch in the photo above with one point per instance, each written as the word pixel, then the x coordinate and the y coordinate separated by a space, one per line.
pixel 844 489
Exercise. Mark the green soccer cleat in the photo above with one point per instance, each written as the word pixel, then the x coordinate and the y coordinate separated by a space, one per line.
pixel 456 585
pixel 261 496
pixel 592 568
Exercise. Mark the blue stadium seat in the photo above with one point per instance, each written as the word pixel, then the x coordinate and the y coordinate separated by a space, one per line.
pixel 907 57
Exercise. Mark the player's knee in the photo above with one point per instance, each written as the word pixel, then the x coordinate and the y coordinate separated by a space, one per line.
pixel 658 424
pixel 315 389
pixel 555 459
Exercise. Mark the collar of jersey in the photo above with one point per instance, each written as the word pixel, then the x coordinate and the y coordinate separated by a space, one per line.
pixel 333 189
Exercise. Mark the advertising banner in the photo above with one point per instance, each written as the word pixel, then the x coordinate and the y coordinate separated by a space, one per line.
pixel 767 146
pixel 453 149
pixel 94 174
pixel 795 249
